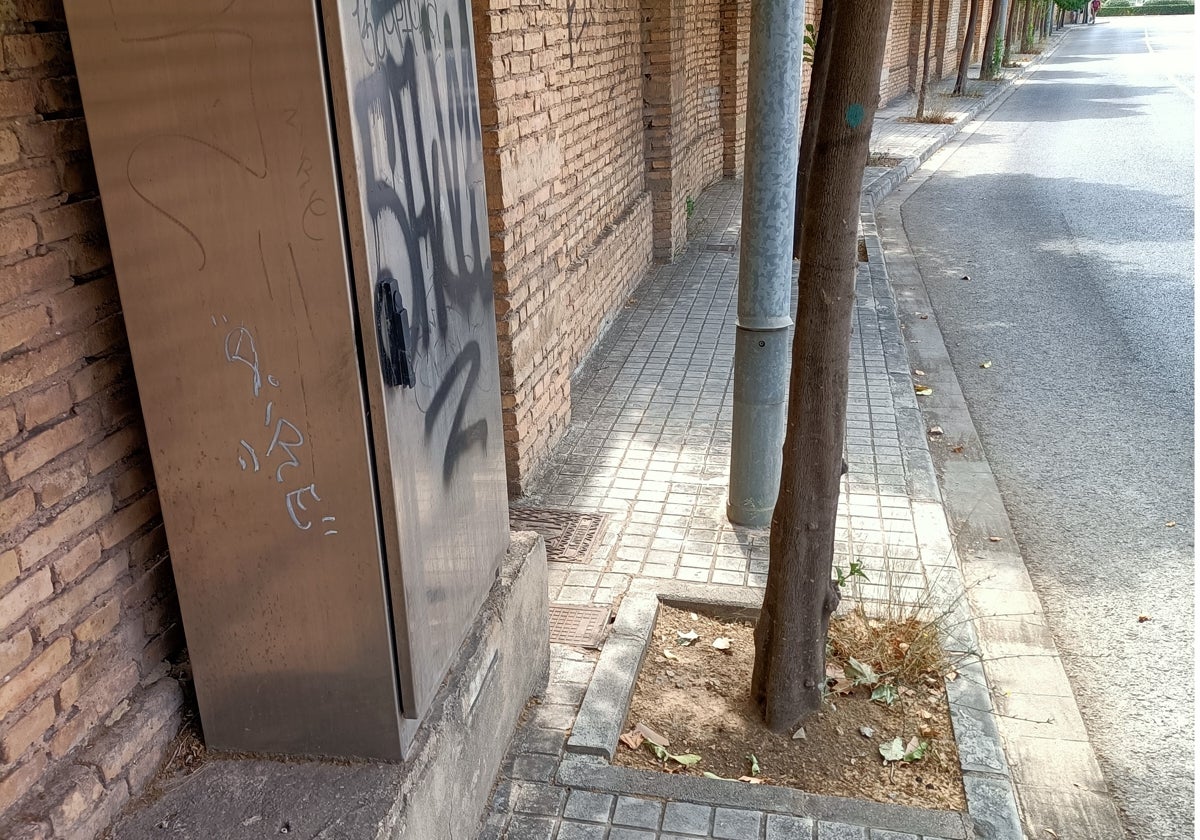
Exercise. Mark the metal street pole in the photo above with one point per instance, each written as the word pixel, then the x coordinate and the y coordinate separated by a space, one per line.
pixel 760 362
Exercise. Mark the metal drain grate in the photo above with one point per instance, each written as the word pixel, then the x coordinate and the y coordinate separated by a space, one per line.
pixel 570 537
pixel 575 624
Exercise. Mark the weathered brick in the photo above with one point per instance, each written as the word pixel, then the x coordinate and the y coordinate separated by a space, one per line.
pixel 17 98
pixel 74 599
pixel 10 147
pixel 46 446
pixel 77 174
pixel 97 625
pixel 88 253
pixel 156 581
pixel 75 793
pixel 131 517
pixel 97 376
pixel 35 675
pixel 52 138
pixel 133 481
pixel 37 50
pixel 102 816
pixel 67 220
pixel 19 327
pixel 149 548
pixel 25 731
pixel 15 509
pixel 25 595
pixel 10 567
pixel 70 522
pixel 25 369
pixel 160 648
pixel 8 424
pixel 14 650
pixel 78 560
pixel 58 94
pixel 45 272
pixel 26 185
pixel 84 303
pixel 114 447
pixel 140 731
pixel 46 405
pixel 52 486
pixel 18 780
pixel 71 730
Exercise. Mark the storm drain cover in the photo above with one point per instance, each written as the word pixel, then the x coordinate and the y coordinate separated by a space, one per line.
pixel 576 624
pixel 570 537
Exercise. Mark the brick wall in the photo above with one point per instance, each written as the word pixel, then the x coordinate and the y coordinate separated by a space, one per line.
pixel 735 53
pixel 87 615
pixel 561 99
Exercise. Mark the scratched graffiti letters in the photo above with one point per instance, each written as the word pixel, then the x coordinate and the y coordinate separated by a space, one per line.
pixel 287 439
pixel 417 115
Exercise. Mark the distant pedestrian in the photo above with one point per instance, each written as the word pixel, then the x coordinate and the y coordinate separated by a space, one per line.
pixel 1095 4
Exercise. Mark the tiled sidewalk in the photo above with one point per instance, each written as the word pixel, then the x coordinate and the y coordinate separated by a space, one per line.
pixel 649 445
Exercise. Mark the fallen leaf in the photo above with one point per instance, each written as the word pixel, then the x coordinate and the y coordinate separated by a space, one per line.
pixel 993 539
pixel 923 317
pixel 1142 619
pixel 928 715
pixel 918 372
pixel 885 694
pixel 835 671
pixel 658 751
pixel 693 617
pixel 667 654
pixel 754 768
pixel 860 673
pixel 1051 832
pixel 1172 524
pixel 956 448
pixel 867 732
pixel 841 687
pixel 652 736
pixel 687 759
pixel 751 779
pixel 632 739
pixel 915 750
pixel 893 750
pixel 721 643
pixel 799 734
pixel 923 390
pixel 951 675
pixel 935 431
pixel 985 365
pixel 688 637
pixel 709 775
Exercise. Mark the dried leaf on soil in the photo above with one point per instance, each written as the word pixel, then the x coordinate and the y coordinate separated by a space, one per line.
pixel 885 694
pixel 893 750
pixel 721 643
pixel 668 655
pixel 632 739
pixel 860 673
pixel 923 390
pixel 688 637
pixel 799 734
pixel 935 431
pixel 867 732
pixel 754 768
pixel 985 365
pixel 1142 619
pixel 751 779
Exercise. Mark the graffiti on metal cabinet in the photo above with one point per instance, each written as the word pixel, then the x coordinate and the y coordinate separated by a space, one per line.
pixel 417 115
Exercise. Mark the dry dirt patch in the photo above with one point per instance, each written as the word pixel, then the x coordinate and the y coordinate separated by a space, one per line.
pixel 698 697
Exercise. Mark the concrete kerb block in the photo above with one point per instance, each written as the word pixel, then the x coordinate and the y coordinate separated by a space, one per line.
pixel 992 807
pixel 980 749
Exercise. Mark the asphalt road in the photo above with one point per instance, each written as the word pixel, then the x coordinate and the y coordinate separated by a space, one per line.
pixel 1071 210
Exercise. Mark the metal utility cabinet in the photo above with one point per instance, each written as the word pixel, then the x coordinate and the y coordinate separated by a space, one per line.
pixel 294 197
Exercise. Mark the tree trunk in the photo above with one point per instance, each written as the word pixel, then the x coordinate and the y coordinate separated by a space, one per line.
pixel 925 64
pixel 988 68
pixel 964 60
pixel 812 115
pixel 1010 29
pixel 790 636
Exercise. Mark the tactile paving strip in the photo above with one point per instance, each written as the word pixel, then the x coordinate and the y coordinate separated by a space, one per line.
pixel 570 537
pixel 578 624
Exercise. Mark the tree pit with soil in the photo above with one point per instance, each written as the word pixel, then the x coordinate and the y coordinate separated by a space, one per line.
pixel 697 697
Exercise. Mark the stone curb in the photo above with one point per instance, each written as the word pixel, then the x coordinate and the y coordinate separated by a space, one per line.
pixel 991 805
pixel 1055 774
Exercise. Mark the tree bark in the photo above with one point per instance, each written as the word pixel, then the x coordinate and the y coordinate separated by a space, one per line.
pixel 925 63
pixel 1010 28
pixel 964 60
pixel 790 636
pixel 988 68
pixel 808 131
